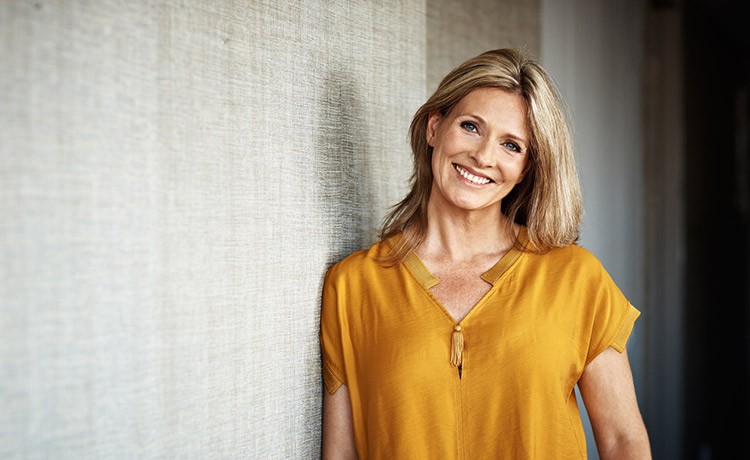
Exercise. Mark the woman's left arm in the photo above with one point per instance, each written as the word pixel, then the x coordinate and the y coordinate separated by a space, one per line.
pixel 608 392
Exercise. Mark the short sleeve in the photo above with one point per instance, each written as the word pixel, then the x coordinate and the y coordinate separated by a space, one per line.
pixel 331 340
pixel 611 316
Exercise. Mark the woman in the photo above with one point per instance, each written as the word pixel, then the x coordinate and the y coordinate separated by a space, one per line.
pixel 464 331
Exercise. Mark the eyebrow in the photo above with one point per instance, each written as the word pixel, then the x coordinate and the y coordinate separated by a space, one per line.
pixel 484 122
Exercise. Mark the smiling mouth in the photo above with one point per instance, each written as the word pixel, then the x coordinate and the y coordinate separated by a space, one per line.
pixel 471 177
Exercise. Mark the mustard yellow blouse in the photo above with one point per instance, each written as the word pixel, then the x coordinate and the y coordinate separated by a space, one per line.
pixel 526 343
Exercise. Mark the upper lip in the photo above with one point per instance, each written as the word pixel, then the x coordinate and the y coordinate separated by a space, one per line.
pixel 472 171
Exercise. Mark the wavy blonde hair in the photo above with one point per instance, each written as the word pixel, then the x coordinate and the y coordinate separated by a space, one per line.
pixel 548 201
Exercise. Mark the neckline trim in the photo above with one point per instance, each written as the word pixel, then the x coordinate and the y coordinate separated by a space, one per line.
pixel 417 268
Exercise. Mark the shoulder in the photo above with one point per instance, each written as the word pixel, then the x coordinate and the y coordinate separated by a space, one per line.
pixel 358 263
pixel 572 254
pixel 578 254
pixel 573 260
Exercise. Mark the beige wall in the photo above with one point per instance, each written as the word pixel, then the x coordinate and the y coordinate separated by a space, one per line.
pixel 174 179
pixel 594 50
pixel 458 30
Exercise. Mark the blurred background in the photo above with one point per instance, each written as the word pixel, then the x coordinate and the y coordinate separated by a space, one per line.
pixel 175 178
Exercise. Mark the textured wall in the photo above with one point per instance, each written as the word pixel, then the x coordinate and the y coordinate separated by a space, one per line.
pixel 460 29
pixel 175 177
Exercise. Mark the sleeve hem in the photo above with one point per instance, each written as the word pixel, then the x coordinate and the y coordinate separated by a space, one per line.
pixel 626 327
pixel 331 381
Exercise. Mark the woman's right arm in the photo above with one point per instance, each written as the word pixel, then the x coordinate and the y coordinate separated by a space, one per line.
pixel 338 430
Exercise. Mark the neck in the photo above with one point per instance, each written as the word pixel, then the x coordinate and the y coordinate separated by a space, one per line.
pixel 464 235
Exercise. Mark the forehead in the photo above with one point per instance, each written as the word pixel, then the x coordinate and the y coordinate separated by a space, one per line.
pixel 492 100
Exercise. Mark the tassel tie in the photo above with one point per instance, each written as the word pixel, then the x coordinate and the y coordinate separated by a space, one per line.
pixel 457 346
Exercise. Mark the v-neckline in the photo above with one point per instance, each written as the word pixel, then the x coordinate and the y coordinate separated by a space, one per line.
pixel 423 275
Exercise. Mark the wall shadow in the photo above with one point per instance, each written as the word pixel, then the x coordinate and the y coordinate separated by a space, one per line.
pixel 344 180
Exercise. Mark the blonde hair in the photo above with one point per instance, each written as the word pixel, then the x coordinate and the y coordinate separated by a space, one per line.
pixel 548 201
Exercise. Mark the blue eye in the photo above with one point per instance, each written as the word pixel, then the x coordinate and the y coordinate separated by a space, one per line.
pixel 512 146
pixel 469 126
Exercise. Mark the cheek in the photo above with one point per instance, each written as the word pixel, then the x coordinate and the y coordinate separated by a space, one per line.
pixel 511 163
pixel 435 163
pixel 449 148
pixel 523 169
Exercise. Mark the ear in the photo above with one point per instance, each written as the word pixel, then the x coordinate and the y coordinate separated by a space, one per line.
pixel 432 125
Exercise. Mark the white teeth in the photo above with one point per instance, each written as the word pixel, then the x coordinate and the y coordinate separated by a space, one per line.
pixel 467 175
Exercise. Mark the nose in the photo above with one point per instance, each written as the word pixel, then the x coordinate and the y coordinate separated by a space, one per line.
pixel 482 153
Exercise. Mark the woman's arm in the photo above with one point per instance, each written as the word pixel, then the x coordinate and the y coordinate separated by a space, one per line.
pixel 608 392
pixel 338 432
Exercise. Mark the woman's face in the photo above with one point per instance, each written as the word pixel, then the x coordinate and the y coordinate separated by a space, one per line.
pixel 479 150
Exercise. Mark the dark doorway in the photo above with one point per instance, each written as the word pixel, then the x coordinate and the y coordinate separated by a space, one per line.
pixel 717 210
